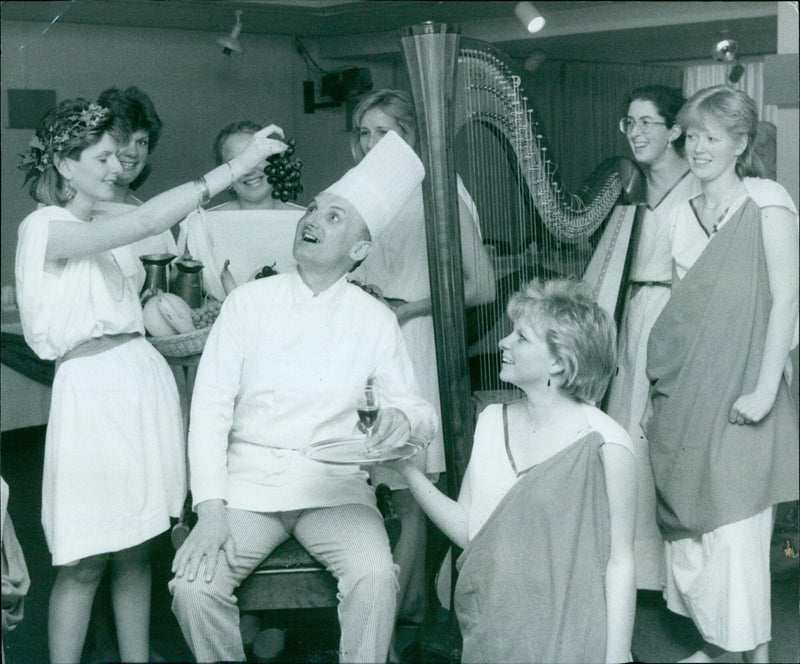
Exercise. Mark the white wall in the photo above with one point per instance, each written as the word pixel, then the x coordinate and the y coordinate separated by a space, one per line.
pixel 196 91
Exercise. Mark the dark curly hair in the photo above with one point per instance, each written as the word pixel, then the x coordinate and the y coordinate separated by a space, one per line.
pixel 668 101
pixel 135 108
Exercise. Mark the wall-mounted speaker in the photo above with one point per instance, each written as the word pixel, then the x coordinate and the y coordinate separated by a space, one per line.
pixel 346 83
pixel 341 87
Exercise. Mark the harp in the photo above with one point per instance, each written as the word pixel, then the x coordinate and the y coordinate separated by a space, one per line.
pixel 471 110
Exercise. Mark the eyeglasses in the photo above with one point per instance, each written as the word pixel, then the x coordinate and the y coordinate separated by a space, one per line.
pixel 627 124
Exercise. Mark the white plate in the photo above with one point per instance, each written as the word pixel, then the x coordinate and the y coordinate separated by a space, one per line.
pixel 352 451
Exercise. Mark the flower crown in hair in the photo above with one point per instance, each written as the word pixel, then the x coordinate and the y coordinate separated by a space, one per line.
pixel 58 135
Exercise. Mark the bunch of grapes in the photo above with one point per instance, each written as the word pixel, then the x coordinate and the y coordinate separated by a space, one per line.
pixel 266 271
pixel 204 316
pixel 284 174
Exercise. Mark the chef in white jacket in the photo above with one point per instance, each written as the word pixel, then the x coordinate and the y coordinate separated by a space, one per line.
pixel 280 370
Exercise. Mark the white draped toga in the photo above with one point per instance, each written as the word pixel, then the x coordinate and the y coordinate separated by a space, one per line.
pixel 249 239
pixel 114 468
pixel 651 273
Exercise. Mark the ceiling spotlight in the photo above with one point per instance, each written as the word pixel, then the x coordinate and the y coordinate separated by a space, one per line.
pixel 530 16
pixel 725 50
pixel 230 43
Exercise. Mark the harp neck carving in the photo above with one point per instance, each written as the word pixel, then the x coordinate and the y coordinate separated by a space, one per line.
pixel 489 93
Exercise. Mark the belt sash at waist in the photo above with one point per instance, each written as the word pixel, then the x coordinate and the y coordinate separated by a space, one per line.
pixel 665 284
pixel 96 345
pixel 635 286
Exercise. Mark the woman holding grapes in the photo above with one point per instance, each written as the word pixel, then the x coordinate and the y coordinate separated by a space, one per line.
pixel 114 459
pixel 134 109
pixel 261 195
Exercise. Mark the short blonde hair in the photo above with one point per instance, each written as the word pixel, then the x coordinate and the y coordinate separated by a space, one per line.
pixel 578 331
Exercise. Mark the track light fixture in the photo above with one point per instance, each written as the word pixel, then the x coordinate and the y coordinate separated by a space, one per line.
pixel 725 50
pixel 230 43
pixel 530 16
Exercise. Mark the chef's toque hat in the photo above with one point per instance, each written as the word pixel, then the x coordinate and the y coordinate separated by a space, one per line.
pixel 381 183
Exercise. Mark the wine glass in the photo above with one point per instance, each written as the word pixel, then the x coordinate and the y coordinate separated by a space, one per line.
pixel 368 406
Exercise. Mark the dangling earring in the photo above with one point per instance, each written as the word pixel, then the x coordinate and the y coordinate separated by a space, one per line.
pixel 69 192
pixel 548 382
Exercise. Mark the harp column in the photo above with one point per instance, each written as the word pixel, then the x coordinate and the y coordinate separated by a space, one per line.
pixel 430 51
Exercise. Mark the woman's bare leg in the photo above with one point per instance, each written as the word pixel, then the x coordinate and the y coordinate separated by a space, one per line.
pixel 131 583
pixel 70 607
pixel 758 655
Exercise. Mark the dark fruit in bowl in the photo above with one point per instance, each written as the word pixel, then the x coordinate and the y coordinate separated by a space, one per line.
pixel 266 271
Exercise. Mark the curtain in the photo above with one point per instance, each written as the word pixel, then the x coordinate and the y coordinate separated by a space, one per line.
pixel 580 104
pixel 697 77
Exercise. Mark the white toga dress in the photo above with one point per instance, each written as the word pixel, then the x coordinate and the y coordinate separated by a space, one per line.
pixel 649 290
pixel 114 469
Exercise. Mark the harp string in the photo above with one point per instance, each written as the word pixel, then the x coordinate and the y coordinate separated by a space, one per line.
pixel 536 228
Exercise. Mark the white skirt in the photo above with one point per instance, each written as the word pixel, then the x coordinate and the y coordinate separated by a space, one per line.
pixel 722 582
pixel 627 401
pixel 115 460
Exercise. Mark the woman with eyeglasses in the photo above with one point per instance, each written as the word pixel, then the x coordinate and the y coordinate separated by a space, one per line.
pixel 657 145
pixel 723 433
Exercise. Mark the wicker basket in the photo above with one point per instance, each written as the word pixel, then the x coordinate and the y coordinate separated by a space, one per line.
pixel 181 345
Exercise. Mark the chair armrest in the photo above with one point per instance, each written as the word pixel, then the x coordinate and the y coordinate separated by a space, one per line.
pixel 391 519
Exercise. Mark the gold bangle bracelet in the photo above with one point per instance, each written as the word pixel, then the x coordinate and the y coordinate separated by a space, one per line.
pixel 203 194
pixel 230 169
